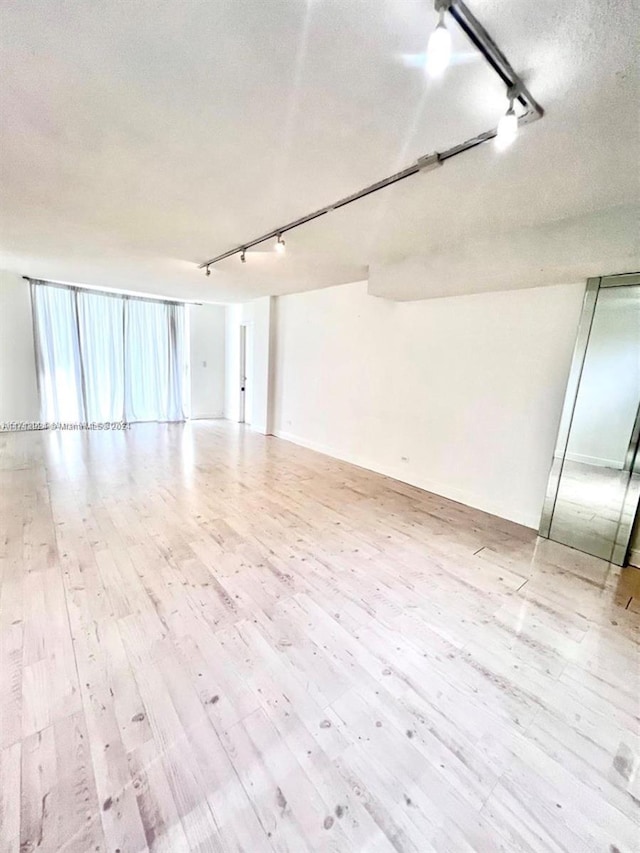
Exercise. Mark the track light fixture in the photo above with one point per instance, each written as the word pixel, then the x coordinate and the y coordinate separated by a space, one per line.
pixel 243 256
pixel 508 124
pixel 439 46
pixel 438 57
pixel 208 271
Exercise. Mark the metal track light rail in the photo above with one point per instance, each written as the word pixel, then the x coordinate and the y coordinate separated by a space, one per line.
pixel 515 91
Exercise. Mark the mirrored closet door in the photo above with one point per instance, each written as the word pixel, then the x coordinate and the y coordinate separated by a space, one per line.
pixel 593 491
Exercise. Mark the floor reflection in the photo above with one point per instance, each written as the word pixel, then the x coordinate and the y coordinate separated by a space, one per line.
pixel 588 507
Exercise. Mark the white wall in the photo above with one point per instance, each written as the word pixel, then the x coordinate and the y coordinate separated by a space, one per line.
pixel 461 396
pixel 18 385
pixel 258 317
pixel 607 401
pixel 207 350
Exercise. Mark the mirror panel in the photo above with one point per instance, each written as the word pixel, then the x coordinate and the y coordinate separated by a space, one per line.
pixel 594 488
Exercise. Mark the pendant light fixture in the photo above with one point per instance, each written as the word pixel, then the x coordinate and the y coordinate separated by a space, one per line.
pixel 507 126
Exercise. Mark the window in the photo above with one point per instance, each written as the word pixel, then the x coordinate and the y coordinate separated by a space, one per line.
pixel 105 357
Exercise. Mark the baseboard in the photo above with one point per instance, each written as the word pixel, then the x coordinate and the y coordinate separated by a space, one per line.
pixel 216 417
pixel 444 491
pixel 634 557
pixel 595 460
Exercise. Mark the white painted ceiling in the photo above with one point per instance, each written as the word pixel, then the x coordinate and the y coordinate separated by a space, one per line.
pixel 139 138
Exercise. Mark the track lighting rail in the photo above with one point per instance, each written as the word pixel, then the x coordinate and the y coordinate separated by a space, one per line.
pixel 515 90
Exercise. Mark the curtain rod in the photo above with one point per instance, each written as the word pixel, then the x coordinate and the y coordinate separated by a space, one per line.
pixel 114 293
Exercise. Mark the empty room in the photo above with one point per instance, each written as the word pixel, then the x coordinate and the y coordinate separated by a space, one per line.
pixel 319 426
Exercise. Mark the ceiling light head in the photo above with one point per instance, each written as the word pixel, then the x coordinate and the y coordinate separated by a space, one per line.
pixel 507 127
pixel 243 256
pixel 439 46
pixel 280 245
pixel 207 271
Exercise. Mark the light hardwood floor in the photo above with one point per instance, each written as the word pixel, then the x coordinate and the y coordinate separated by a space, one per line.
pixel 217 641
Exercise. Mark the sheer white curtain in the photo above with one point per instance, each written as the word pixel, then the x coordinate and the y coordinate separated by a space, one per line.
pixel 100 322
pixel 57 354
pixel 153 338
pixel 103 357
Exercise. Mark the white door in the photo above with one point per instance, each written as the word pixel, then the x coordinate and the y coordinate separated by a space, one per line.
pixel 243 374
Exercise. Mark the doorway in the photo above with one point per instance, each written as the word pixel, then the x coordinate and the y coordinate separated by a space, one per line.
pixel 243 375
pixel 245 363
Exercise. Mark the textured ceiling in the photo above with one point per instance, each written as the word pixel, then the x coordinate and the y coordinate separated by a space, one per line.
pixel 138 139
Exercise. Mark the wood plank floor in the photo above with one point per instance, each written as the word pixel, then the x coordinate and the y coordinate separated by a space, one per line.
pixel 217 641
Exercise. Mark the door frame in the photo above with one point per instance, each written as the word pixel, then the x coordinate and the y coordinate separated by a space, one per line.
pixel 242 374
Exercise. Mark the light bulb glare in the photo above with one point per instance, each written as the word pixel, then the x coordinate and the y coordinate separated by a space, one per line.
pixel 439 49
pixel 507 129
